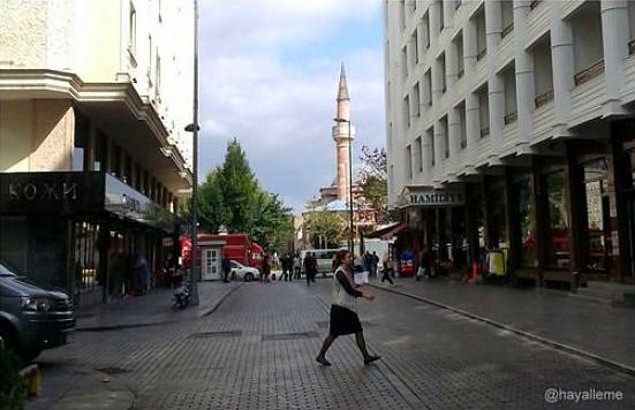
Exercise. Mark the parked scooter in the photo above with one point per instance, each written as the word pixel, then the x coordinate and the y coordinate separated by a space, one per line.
pixel 181 297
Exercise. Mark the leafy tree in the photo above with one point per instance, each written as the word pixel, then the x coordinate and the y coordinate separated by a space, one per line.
pixel 231 197
pixel 374 181
pixel 325 224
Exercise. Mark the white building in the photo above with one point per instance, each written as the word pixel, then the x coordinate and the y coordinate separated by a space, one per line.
pixel 522 110
pixel 94 99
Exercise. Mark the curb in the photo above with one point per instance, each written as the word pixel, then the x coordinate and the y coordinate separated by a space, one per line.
pixel 620 367
pixel 206 312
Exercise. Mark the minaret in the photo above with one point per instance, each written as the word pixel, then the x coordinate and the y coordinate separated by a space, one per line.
pixel 343 138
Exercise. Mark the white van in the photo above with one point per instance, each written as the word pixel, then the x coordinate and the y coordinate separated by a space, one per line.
pixel 324 259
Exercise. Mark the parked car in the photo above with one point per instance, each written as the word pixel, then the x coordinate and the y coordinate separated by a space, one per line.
pixel 242 272
pixel 32 319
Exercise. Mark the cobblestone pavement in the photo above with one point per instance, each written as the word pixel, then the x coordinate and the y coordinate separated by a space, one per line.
pixel 601 329
pixel 257 351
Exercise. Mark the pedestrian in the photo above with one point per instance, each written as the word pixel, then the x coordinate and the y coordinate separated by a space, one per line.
pixel 388 269
pixel 344 319
pixel 227 267
pixel 374 264
pixel 297 266
pixel 313 267
pixel 266 268
pixel 290 266
pixel 306 265
pixel 424 264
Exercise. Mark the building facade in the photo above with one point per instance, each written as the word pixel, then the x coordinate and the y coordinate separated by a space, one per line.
pixel 510 129
pixel 94 99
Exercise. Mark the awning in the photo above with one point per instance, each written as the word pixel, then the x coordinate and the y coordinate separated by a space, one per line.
pixel 388 232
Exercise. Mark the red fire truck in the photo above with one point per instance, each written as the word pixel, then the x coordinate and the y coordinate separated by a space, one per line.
pixel 237 246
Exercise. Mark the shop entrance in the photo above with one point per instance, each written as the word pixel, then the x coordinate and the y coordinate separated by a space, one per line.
pixel 211 262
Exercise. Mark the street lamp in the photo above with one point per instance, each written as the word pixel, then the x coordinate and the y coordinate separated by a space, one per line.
pixel 351 247
pixel 194 128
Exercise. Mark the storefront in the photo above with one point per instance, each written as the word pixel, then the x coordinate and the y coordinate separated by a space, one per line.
pixel 80 231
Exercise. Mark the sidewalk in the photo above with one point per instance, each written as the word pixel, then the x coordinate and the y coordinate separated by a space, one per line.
pixel 153 308
pixel 600 330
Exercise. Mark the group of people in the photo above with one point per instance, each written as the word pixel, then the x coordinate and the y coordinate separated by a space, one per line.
pixel 310 266
pixel 370 263
pixel 290 265
pixel 129 275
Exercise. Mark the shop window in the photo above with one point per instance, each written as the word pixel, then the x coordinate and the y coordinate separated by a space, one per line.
pixel 523 189
pixel 496 213
pixel 598 234
pixel 86 256
pixel 557 234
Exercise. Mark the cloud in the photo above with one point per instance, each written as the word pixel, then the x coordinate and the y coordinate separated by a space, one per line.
pixel 269 78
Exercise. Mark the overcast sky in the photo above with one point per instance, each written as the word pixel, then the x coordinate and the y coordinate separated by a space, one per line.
pixel 269 73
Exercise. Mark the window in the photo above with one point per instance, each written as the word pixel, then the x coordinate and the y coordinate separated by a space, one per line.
pixel 509 83
pixel 526 224
pixel 416 100
pixel 406 111
pixel 461 115
pixel 404 62
pixel 441 65
pixel 427 81
pixel 543 73
pixel 587 42
pixel 481 39
pixel 157 76
pixel 441 15
pixel 507 17
pixel 458 49
pixel 446 136
pixel 555 206
pixel 430 133
pixel 483 105
pixel 409 162
pixel 419 154
pixel 598 231
pixel 415 47
pixel 426 29
pixel 132 35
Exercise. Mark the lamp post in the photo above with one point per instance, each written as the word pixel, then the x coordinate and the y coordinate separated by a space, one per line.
pixel 193 128
pixel 351 246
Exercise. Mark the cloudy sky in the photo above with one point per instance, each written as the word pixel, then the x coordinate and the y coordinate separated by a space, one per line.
pixel 269 72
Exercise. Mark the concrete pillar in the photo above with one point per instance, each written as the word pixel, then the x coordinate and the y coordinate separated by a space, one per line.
pixel 437 81
pixel 495 82
pixel 89 149
pixel 439 148
pixel 454 130
pixel 563 68
pixel 448 13
pixel 471 100
pixel 109 155
pixel 426 147
pixel 615 35
pixel 435 10
pixel 525 88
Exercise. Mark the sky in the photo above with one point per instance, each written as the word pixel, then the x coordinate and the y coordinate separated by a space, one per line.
pixel 268 76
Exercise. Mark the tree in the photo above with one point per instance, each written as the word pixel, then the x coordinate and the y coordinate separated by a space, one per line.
pixel 374 181
pixel 231 197
pixel 322 225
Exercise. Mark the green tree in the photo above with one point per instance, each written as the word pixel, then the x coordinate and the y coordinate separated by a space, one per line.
pixel 323 225
pixel 231 197
pixel 374 181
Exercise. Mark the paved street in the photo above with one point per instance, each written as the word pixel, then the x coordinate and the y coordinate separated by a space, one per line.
pixel 256 350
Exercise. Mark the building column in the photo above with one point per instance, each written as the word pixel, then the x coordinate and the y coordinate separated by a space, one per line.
pixel 513 227
pixel 472 114
pixel 454 131
pixel 439 149
pixel 437 81
pixel 495 82
pixel 538 216
pixel 426 157
pixel 434 10
pixel 615 35
pixel 574 176
pixel 108 160
pixel 89 150
pixel 525 88
pixel 448 14
pixel 563 68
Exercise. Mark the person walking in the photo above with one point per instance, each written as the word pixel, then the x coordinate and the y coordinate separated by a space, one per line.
pixel 388 269
pixel 297 266
pixel 266 268
pixel 374 264
pixel 227 267
pixel 344 319
pixel 314 267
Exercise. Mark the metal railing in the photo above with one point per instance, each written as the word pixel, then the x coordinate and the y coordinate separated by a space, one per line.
pixel 589 73
pixel 543 99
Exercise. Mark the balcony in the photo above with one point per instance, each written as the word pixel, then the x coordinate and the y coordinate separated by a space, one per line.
pixel 511 117
pixel 481 54
pixel 484 132
pixel 507 30
pixel 590 72
pixel 543 99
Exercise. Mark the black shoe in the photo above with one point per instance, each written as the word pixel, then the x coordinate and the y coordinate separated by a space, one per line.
pixel 322 361
pixel 370 359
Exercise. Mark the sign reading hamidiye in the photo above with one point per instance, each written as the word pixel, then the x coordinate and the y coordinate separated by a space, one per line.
pixel 433 197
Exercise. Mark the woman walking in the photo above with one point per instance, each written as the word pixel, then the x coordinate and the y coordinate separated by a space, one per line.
pixel 344 319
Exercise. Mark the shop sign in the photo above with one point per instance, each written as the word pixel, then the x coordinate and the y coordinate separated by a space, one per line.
pixel 57 192
pixel 433 197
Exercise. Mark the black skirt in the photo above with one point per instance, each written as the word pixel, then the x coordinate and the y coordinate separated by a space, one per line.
pixel 343 321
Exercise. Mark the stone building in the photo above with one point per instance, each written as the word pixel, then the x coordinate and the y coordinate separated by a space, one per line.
pixel 94 99
pixel 510 129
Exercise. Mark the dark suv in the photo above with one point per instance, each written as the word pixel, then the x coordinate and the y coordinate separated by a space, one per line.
pixel 31 318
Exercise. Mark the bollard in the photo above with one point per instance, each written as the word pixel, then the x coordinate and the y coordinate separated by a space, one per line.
pixel 32 379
